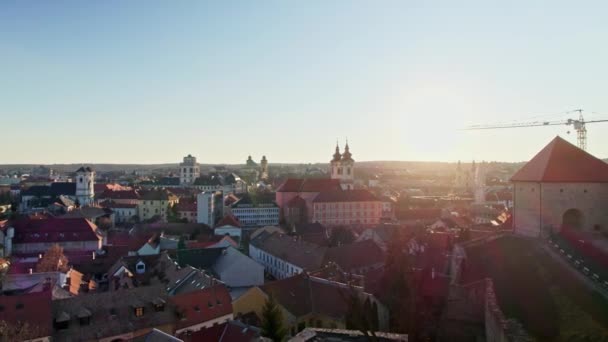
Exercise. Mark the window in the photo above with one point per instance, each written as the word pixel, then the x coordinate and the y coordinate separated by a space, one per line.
pixel 85 320
pixel 139 311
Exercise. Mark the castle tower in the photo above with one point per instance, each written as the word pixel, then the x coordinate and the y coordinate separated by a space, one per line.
pixel 264 168
pixel 189 170
pixel 85 186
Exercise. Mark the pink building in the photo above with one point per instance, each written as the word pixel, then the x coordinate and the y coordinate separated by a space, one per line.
pixel 352 207
pixel 307 190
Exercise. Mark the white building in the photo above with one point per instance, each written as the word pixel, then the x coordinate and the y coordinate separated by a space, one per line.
pixel 256 212
pixel 205 208
pixel 189 170
pixel 85 186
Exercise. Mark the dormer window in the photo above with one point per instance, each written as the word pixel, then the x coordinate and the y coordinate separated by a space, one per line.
pixel 80 179
pixel 139 311
pixel 140 267
pixel 159 304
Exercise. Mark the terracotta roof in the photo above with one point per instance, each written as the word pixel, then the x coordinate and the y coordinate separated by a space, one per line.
pixel 202 305
pixel 55 230
pixel 346 196
pixel 33 308
pixel 120 194
pixel 228 220
pixel 309 185
pixel 185 205
pixel 560 161
pixel 232 331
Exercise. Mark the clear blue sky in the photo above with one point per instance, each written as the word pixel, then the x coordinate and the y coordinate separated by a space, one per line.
pixel 150 81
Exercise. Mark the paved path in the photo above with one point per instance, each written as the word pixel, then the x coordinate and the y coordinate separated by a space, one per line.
pixel 592 285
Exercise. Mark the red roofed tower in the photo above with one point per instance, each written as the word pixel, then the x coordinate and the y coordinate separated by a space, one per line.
pixel 562 186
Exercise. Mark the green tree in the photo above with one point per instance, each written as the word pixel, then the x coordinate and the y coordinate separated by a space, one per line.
pixel 272 320
pixel 181 244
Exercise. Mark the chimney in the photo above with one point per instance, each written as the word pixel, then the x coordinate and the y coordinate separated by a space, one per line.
pixel 40 256
pixel 433 273
pixel 93 255
pixel 31 270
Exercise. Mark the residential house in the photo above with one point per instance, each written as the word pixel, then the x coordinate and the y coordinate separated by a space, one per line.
pixel 155 203
pixel 284 256
pixel 113 316
pixel 202 309
pixel 229 225
pixel 357 257
pixel 308 301
pixel 231 331
pixel 186 210
pixel 232 267
pixel 123 212
pixel 29 314
pixel 38 235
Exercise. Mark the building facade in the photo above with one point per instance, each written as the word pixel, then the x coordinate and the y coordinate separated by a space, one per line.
pixel 189 170
pixel 205 208
pixel 562 186
pixel 355 207
pixel 256 212
pixel 85 186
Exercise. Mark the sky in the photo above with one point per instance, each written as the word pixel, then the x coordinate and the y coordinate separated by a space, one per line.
pixel 151 81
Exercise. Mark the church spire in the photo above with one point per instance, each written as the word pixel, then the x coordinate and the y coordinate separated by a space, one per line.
pixel 347 155
pixel 337 154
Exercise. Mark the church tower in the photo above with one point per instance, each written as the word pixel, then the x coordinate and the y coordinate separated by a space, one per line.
pixel 334 164
pixel 264 168
pixel 85 186
pixel 342 167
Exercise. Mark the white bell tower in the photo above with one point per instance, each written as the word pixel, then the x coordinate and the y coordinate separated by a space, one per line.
pixel 85 186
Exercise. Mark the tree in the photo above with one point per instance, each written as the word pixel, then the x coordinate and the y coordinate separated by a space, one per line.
pixel 53 260
pixel 361 315
pixel 399 292
pixel 272 320
pixel 17 332
pixel 181 244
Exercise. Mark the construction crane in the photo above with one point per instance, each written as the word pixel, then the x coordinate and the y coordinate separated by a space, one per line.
pixel 577 124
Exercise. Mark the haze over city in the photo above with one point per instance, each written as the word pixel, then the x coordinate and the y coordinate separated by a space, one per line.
pixel 148 82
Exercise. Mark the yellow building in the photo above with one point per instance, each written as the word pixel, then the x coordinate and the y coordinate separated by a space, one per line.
pixel 155 203
pixel 307 301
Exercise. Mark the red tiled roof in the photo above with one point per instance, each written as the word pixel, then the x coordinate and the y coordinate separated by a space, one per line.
pixel 186 205
pixel 228 220
pixel 202 305
pixel 33 308
pixel 120 194
pixel 309 185
pixel 55 230
pixel 346 196
pixel 232 331
pixel 560 161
